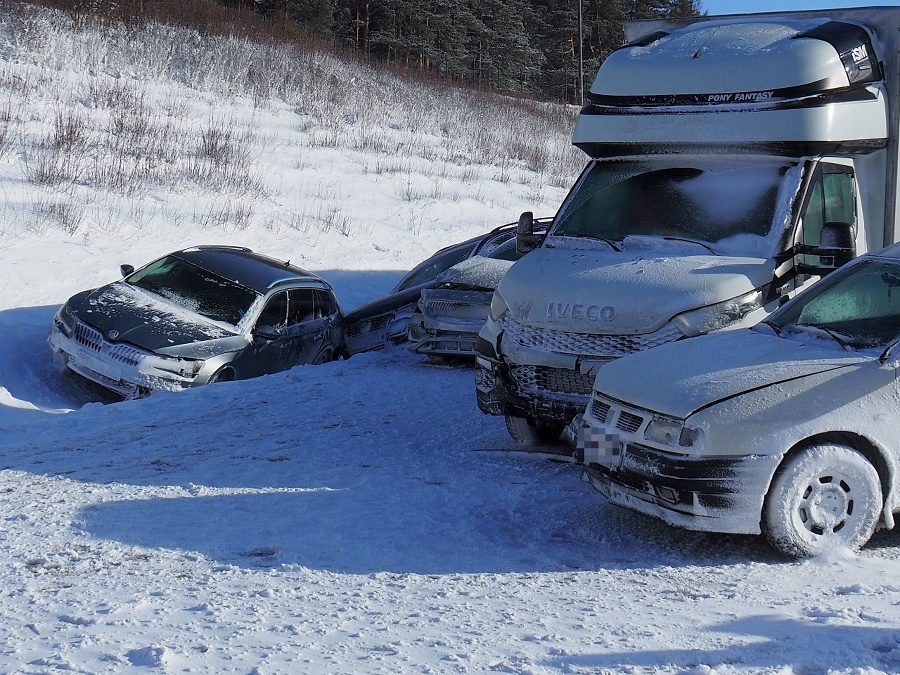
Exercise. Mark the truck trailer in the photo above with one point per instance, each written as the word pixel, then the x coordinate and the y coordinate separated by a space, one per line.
pixel 733 160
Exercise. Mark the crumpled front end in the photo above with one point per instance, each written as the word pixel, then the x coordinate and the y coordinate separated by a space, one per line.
pixel 119 367
pixel 714 493
pixel 446 321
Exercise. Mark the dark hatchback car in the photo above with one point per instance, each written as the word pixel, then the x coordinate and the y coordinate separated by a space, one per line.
pixel 196 316
pixel 386 321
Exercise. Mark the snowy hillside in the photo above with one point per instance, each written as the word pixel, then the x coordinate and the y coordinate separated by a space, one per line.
pixel 356 517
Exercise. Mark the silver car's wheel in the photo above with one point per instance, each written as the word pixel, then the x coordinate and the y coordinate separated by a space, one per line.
pixel 222 375
pixel 526 434
pixel 823 496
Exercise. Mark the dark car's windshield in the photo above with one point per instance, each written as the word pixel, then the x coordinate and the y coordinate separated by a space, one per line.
pixel 194 288
pixel 707 203
pixel 857 306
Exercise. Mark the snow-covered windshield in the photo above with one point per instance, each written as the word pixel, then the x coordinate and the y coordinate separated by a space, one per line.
pixel 708 202
pixel 195 289
pixel 856 307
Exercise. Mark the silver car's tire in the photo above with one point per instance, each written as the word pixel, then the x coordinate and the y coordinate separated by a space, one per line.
pixel 526 434
pixel 822 497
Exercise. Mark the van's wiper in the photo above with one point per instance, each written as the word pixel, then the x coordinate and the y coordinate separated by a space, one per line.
pixel 691 241
pixel 886 354
pixel 611 243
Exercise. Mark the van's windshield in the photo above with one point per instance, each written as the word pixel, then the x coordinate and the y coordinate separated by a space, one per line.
pixel 707 203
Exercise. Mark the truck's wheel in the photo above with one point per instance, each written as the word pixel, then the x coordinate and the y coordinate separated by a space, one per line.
pixel 527 434
pixel 823 496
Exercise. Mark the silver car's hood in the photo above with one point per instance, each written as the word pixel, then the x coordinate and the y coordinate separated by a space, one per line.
pixel 680 378
pixel 631 291
pixel 125 314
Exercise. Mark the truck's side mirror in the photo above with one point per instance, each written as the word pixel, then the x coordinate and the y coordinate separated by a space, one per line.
pixel 126 269
pixel 836 247
pixel 526 239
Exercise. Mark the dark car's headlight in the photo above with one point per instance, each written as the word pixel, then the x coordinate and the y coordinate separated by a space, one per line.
pixel 65 320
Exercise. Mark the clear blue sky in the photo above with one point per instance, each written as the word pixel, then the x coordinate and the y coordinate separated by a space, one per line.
pixel 745 6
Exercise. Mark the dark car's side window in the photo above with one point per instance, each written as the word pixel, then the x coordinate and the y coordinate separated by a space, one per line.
pixel 275 312
pixel 325 303
pixel 301 306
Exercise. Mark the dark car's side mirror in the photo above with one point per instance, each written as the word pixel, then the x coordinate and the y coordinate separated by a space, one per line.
pixel 836 248
pixel 266 332
pixel 526 239
pixel 126 269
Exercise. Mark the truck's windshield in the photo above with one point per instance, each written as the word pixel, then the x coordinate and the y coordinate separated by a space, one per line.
pixel 708 203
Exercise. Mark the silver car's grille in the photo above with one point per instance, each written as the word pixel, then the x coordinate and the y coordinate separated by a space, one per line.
pixel 554 380
pixel 585 344
pixel 629 422
pixel 94 340
pixel 600 410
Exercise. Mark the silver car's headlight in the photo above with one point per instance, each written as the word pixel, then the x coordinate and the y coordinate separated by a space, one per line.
pixel 498 306
pixel 185 368
pixel 720 315
pixel 672 432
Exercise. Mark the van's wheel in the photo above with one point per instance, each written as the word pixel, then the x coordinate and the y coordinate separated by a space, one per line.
pixel 532 434
pixel 822 496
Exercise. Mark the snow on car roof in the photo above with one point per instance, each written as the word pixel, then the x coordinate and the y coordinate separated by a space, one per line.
pixel 253 270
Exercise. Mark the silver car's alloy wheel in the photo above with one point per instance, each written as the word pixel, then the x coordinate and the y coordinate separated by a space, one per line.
pixel 821 497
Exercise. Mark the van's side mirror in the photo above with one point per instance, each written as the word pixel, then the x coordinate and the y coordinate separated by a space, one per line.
pixel 526 239
pixel 836 247
pixel 126 269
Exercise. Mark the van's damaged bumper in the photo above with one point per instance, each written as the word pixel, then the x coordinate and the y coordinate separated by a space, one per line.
pixel 539 392
pixel 711 494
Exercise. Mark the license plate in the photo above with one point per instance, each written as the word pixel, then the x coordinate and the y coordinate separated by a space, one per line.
pixel 100 366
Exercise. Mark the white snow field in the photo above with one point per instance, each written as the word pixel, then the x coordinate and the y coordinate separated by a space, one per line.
pixel 356 517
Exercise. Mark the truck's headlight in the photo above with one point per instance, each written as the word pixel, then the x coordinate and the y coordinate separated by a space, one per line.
pixel 720 315
pixel 498 306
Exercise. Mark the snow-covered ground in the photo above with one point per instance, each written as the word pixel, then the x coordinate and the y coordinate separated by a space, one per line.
pixel 356 517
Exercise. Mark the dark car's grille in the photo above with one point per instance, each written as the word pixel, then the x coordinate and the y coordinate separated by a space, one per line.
pixel 600 410
pixel 93 340
pixel 372 325
pixel 629 422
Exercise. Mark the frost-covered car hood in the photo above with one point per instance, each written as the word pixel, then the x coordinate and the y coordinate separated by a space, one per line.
pixel 148 321
pixel 632 291
pixel 694 373
pixel 478 272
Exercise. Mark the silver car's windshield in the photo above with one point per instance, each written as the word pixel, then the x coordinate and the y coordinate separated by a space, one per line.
pixel 857 307
pixel 705 203
pixel 195 289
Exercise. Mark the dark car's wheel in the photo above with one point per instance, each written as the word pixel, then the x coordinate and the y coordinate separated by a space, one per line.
pixel 324 356
pixel 529 434
pixel 222 375
pixel 822 496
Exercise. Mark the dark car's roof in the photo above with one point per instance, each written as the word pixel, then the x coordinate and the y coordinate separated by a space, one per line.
pixel 253 270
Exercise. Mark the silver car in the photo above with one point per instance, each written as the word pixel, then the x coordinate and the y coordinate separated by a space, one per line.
pixel 789 428
pixel 200 315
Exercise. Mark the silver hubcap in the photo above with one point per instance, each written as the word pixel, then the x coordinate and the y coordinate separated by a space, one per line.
pixel 826 504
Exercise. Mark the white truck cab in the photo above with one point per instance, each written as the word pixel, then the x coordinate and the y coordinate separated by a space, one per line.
pixel 733 160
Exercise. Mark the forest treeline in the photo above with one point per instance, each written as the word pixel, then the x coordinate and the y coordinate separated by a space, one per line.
pixel 522 47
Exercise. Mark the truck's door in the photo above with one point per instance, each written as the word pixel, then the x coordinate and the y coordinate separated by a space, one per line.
pixel 830 196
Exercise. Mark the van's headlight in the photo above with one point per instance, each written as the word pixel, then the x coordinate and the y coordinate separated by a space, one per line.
pixel 498 306
pixel 720 315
